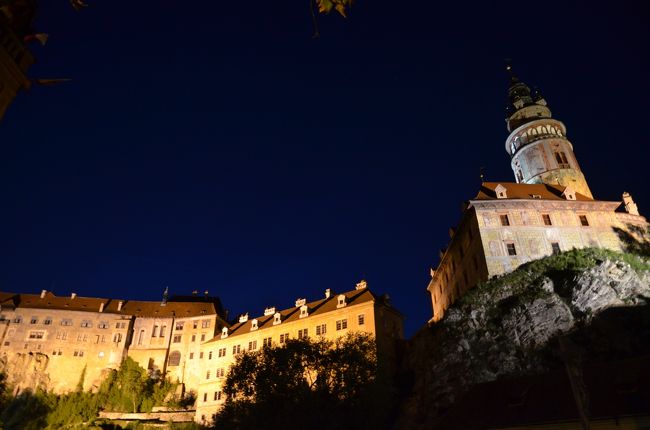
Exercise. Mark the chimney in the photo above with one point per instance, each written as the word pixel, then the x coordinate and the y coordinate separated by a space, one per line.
pixel 101 307
pixel 269 311
pixel 328 293
pixel 119 305
pixel 300 302
pixel 361 285
pixel 243 318
pixel 43 292
pixel 73 295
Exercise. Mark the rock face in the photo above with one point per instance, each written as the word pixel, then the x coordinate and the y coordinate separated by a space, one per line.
pixel 27 371
pixel 508 327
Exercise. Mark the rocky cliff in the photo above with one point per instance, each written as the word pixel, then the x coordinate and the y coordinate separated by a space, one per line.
pixel 547 315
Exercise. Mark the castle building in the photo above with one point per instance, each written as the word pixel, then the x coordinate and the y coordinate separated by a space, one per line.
pixel 331 317
pixel 549 209
pixel 56 343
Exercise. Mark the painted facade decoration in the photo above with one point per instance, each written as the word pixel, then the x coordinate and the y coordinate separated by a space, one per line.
pixel 549 208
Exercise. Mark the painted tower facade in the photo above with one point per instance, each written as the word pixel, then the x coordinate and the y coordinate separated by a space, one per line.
pixel 549 209
pixel 539 149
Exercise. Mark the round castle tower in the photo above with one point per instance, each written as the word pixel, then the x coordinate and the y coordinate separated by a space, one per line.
pixel 537 145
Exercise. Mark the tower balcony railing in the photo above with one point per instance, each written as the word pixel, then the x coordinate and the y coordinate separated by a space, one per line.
pixel 533 134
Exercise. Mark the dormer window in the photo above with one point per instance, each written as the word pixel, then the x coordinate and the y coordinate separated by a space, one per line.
pixel 277 318
pixel 340 301
pixel 254 324
pixel 536 196
pixel 501 192
pixel 224 332
pixel 569 193
pixel 304 311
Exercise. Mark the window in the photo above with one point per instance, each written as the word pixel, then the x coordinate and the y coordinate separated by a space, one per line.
pixel 201 354
pixel 205 323
pixel 561 159
pixel 361 319
pixel 193 338
pixel 217 395
pixel 266 342
pixel 205 399
pixel 86 323
pixel 97 338
pixel 174 358
pixel 102 325
pixel 207 375
pixel 117 337
pixel 154 333
pixel 177 338
pixel 511 248
pixel 34 320
pixel 341 301
pixel 221 372
pixel 236 349
pixel 85 338
pixel 504 220
pixel 78 353
pixel 547 219
pixel 284 338
pixel 163 329
pixel 119 325
pixel 583 220
pixel 303 334
pixel 36 334
pixel 252 345
pixel 556 248
pixel 18 320
pixel 195 324
pixel 66 322
pixel 321 329
pixel 47 321
pixel 222 352
pixel 141 337
pixel 180 325
pixel 202 337
pixel 341 324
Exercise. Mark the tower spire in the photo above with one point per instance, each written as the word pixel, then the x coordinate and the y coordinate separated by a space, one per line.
pixel 537 145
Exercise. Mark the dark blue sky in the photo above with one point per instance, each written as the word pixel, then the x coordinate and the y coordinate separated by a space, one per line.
pixel 215 145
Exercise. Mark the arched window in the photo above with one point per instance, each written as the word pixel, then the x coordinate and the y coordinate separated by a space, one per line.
pixel 174 358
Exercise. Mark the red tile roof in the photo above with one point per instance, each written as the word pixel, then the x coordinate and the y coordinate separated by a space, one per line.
pixel 525 191
pixel 317 307
pixel 180 309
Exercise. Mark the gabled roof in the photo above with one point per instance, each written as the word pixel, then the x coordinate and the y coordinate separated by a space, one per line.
pixel 317 307
pixel 525 191
pixel 138 308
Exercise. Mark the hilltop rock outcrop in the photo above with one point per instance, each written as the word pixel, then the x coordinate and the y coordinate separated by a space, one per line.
pixel 512 325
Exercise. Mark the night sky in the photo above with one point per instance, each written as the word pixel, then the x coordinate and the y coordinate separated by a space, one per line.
pixel 216 146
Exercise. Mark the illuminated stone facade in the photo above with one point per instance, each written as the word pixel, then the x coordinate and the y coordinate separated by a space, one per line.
pixel 548 210
pixel 332 317
pixel 50 342
pixel 53 343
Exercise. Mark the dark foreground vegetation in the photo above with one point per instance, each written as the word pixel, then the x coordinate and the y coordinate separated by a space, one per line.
pixel 312 383
pixel 130 389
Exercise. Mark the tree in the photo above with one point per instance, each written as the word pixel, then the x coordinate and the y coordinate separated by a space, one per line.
pixel 313 383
